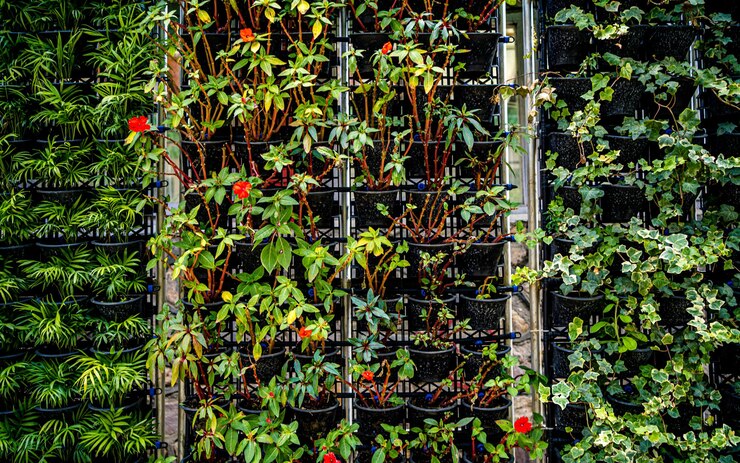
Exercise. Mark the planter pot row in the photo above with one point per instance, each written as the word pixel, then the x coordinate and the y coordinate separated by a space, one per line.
pixel 567 46
pixel 482 51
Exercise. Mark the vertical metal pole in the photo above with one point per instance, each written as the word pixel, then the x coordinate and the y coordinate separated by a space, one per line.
pixel 344 202
pixel 530 68
pixel 159 374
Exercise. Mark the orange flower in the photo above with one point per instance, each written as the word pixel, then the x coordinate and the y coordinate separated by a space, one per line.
pixel 246 35
pixel 304 332
pixel 368 375
pixel 522 425
pixel 138 124
pixel 387 48
pixel 241 189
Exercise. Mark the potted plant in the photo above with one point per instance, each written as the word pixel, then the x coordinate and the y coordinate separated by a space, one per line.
pixel 434 441
pixel 118 285
pixel 111 380
pixel 376 382
pixel 311 397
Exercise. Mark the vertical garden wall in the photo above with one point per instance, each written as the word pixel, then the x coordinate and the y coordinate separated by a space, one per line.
pixel 340 240
pixel 74 289
pixel 640 174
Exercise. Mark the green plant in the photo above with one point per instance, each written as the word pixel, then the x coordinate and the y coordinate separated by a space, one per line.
pixel 53 324
pixel 434 441
pixel 312 385
pixel 61 221
pixel 111 334
pixel 52 383
pixel 116 214
pixel 117 277
pixel 107 378
pixel 61 164
pixel 118 435
pixel 17 217
pixel 67 272
pixel 376 382
pixel 522 434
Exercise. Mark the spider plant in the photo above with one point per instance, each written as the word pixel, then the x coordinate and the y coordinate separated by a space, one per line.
pixel 107 378
pixel 52 383
pixel 115 213
pixel 117 276
pixel 52 324
pixel 68 272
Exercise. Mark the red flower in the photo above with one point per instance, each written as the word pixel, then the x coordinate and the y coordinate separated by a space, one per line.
pixel 330 458
pixel 387 48
pixel 304 332
pixel 246 35
pixel 138 124
pixel 522 425
pixel 368 375
pixel 268 420
pixel 241 189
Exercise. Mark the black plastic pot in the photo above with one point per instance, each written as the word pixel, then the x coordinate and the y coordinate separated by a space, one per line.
pixel 673 311
pixel 630 149
pixel 423 313
pixel 313 424
pixel 725 359
pixel 422 152
pixel 727 144
pixel 485 152
pixel 487 415
pixel 366 211
pixel 625 100
pixel 16 252
pixel 718 110
pixel 728 194
pixel 571 197
pixel 432 365
pixel 566 307
pixel 730 406
pixel 370 419
pixel 113 247
pixel 219 213
pixel 481 259
pixel 249 154
pixel 413 256
pixel 215 156
pixel 370 42
pixel 419 410
pixel 484 314
pixel 674 104
pixel 552 7
pixel 323 207
pixel 560 363
pixel 625 404
pixel 61 413
pixel 121 310
pixel 248 256
pixel 663 41
pixel 568 150
pixel 573 416
pixel 567 47
pixel 570 89
pixel 621 203
pixel 264 369
pixel 65 197
pixel 629 45
pixel 474 360
pixel 483 48
pixel 634 359
pixel 480 97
